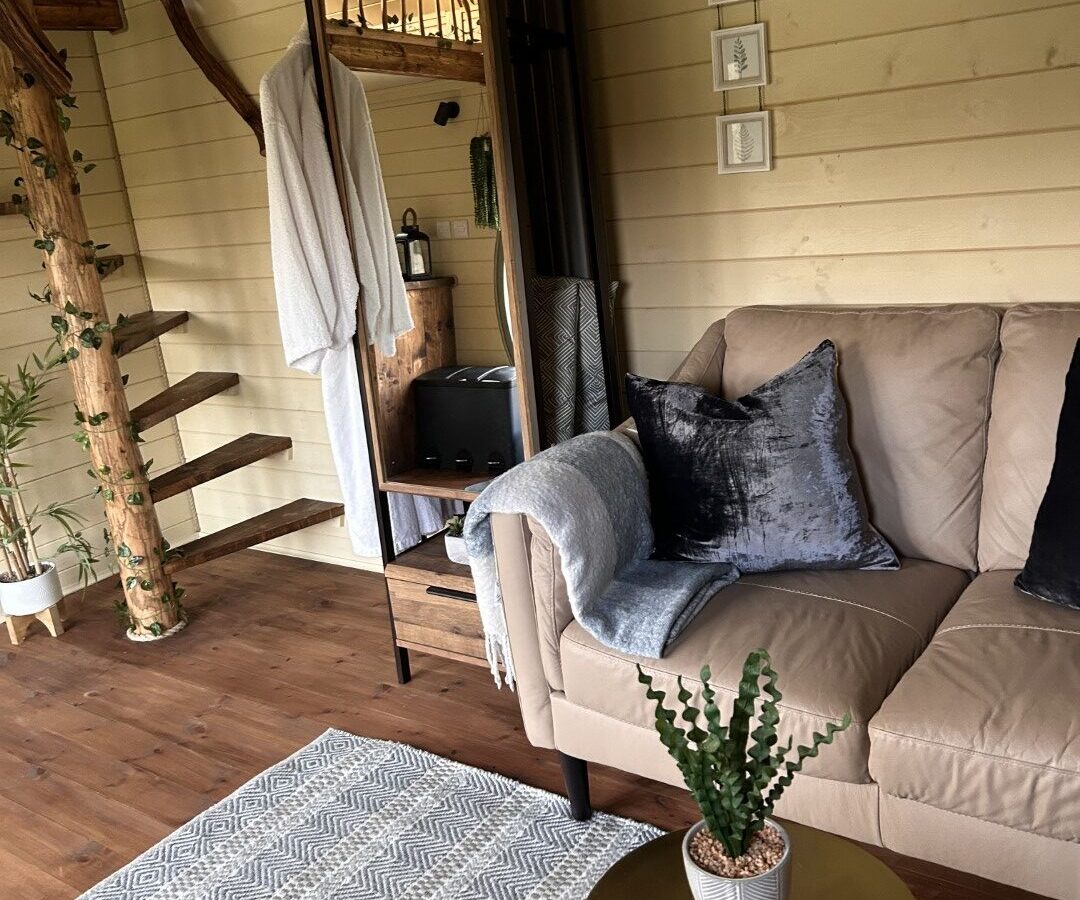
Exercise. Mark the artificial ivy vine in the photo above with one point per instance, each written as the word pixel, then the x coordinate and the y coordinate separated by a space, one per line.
pixel 138 577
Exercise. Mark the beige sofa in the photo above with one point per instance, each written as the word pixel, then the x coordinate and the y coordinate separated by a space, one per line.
pixel 965 694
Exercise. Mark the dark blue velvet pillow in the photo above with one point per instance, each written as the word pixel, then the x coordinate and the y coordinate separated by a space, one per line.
pixel 766 482
pixel 1052 571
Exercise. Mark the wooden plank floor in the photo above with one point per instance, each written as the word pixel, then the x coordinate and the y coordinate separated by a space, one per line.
pixel 107 746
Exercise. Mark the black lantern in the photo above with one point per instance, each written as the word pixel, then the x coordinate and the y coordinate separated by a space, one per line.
pixel 414 249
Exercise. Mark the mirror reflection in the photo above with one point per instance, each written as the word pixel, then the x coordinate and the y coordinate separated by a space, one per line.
pixel 437 167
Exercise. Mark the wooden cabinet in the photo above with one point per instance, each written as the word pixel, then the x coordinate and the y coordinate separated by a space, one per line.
pixel 433 604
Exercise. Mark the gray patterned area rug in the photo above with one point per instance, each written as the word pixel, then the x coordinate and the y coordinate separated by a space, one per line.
pixel 351 817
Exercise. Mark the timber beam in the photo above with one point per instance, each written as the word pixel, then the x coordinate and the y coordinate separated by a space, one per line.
pixel 80 15
pixel 373 50
pixel 214 70
pixel 31 50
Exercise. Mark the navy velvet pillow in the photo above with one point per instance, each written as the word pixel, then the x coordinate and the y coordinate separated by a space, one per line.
pixel 1052 571
pixel 766 482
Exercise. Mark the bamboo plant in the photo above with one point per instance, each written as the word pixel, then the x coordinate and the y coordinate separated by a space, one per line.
pixel 729 768
pixel 22 402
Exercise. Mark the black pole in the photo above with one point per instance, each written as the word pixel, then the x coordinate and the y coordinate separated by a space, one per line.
pixel 324 87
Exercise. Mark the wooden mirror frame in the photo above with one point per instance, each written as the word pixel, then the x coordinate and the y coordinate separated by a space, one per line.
pixel 322 44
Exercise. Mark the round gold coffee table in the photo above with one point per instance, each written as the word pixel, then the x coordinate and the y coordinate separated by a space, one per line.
pixel 823 867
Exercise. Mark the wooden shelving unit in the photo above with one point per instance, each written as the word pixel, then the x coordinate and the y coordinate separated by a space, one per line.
pixel 432 602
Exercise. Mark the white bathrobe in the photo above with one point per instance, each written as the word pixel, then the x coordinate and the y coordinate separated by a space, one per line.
pixel 317 284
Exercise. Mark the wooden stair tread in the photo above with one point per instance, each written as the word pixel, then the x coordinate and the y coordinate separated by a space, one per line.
pixel 275 523
pixel 182 395
pixel 7 208
pixel 227 458
pixel 144 327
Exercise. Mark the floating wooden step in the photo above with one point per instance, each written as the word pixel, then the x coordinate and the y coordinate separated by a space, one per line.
pixel 183 395
pixel 7 208
pixel 228 458
pixel 106 265
pixel 283 520
pixel 144 327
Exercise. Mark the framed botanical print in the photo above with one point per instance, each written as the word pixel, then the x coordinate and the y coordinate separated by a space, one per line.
pixel 740 57
pixel 744 142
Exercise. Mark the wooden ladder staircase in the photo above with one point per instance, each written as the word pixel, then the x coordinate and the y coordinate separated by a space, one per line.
pixel 147 326
pixel 141 329
pixel 151 598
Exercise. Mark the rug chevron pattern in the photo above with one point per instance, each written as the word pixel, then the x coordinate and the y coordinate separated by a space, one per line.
pixel 350 817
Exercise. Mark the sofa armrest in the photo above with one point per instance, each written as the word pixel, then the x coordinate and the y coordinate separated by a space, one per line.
pixel 537 610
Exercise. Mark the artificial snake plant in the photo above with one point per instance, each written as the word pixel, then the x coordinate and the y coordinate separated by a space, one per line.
pixel 729 768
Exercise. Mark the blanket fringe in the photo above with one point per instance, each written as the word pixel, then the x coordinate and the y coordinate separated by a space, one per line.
pixel 498 651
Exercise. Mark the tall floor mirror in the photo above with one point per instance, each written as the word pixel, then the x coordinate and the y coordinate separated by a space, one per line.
pixel 420 110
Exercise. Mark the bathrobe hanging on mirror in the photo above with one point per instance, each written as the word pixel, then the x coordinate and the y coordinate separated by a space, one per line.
pixel 317 284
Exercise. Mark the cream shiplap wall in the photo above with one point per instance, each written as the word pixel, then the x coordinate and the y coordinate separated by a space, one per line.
pixel 426 166
pixel 924 151
pixel 56 464
pixel 197 186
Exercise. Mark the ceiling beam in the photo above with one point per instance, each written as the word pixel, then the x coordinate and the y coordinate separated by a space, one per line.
pixel 31 49
pixel 374 50
pixel 214 70
pixel 80 15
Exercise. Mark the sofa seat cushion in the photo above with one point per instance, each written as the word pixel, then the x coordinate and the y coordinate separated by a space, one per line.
pixel 840 640
pixel 987 722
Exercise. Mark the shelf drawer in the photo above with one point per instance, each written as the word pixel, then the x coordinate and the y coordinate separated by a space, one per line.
pixel 437 618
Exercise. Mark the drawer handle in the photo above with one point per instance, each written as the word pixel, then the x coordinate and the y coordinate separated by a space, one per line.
pixel 451 594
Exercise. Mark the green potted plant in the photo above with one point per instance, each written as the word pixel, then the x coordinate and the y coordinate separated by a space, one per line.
pixel 736 776
pixel 455 540
pixel 30 584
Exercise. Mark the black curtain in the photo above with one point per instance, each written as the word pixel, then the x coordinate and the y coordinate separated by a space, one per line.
pixel 540 51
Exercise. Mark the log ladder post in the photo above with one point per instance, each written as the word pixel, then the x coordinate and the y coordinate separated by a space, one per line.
pixel 56 213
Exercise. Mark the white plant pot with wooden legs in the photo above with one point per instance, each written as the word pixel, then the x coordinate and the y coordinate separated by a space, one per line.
pixel 34 595
pixel 772 885
pixel 21 602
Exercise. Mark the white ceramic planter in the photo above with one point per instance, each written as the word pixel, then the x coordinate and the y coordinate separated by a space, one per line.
pixel 771 885
pixel 28 598
pixel 455 549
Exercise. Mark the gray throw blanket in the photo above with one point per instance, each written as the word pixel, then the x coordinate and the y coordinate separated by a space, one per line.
pixel 591 496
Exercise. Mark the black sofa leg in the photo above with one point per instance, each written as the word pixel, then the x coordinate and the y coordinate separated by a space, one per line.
pixel 575 773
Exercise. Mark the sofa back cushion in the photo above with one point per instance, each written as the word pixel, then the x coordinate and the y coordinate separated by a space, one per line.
pixel 917 382
pixel 1037 342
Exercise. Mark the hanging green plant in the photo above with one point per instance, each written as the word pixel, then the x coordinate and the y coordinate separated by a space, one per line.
pixel 485 192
